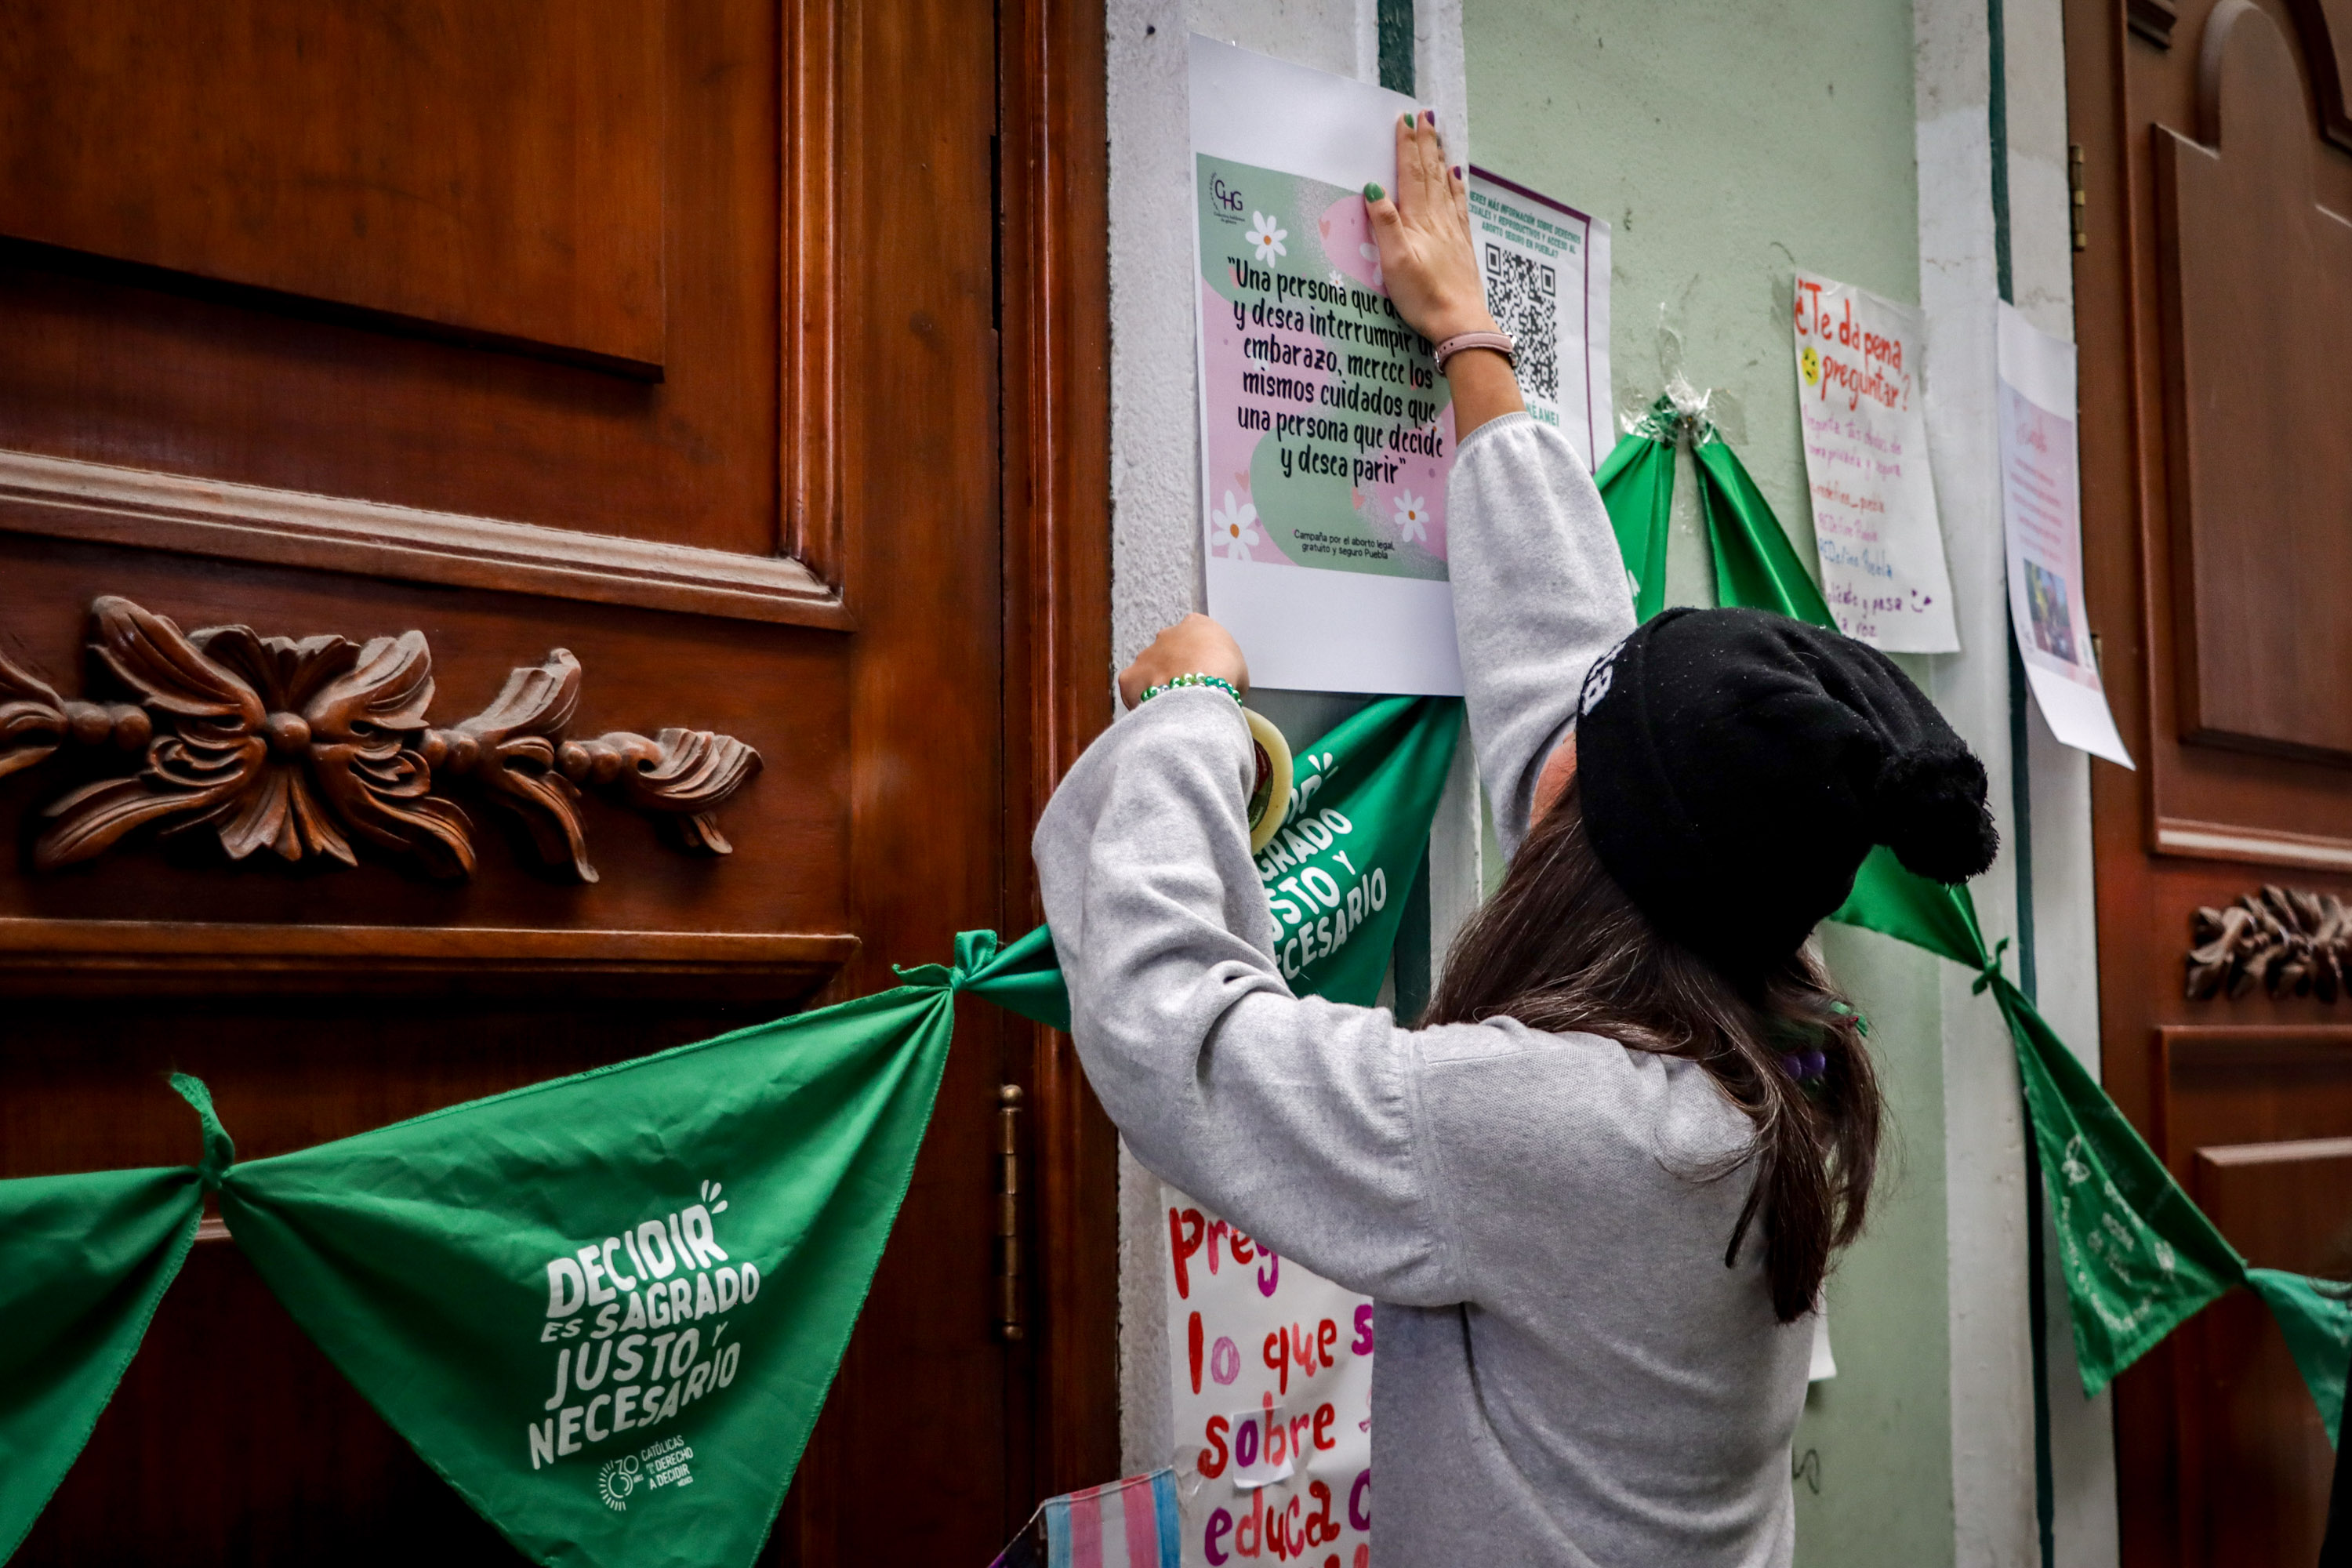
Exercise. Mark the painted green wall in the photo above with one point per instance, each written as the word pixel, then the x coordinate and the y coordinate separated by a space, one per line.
pixel 1728 144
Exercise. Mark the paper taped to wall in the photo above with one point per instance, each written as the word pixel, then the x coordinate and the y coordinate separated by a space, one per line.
pixel 1546 267
pixel 1271 1374
pixel 1326 435
pixel 1874 523
pixel 2042 515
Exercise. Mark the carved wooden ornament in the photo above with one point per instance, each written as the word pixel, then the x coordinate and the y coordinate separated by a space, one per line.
pixel 298 747
pixel 2290 942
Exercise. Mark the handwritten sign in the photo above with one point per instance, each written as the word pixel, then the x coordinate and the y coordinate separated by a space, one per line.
pixel 1271 1370
pixel 2041 517
pixel 1326 435
pixel 1882 548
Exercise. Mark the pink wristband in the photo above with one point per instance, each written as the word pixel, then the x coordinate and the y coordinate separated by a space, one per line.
pixel 1499 342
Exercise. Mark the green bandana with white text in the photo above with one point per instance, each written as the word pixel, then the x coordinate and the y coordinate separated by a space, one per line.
pixel 1338 873
pixel 606 1308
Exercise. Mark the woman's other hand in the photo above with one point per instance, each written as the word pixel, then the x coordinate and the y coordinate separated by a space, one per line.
pixel 1430 268
pixel 1193 646
pixel 1427 261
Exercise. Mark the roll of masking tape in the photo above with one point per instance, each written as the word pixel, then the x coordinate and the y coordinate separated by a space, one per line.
pixel 1269 800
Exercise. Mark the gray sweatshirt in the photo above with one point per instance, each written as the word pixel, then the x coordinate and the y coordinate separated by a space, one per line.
pixel 1567 1372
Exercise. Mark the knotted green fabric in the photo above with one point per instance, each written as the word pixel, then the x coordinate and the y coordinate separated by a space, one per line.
pixel 84 1259
pixel 1336 876
pixel 2139 1257
pixel 606 1308
pixel 1024 976
pixel 1638 478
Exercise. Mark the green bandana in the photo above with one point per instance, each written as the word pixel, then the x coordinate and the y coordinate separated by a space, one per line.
pixel 1337 874
pixel 606 1308
pixel 83 1262
pixel 1638 478
pixel 2139 1257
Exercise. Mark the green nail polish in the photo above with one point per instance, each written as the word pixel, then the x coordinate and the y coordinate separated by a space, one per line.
pixel 1373 193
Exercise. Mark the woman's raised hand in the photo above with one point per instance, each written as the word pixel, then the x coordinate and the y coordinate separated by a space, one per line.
pixel 1432 271
pixel 1427 261
pixel 1193 646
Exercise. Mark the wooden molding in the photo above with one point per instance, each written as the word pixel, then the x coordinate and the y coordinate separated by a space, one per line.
pixel 1055 336
pixel 303 747
pixel 809 448
pixel 2292 1152
pixel 168 957
pixel 65 497
pixel 2326 27
pixel 2235 841
pixel 2153 20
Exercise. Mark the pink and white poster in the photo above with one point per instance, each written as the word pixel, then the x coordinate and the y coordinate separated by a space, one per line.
pixel 1326 435
pixel 1866 436
pixel 1271 1370
pixel 2041 504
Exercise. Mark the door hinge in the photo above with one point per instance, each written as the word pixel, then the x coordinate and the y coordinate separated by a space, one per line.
pixel 1008 1211
pixel 2079 203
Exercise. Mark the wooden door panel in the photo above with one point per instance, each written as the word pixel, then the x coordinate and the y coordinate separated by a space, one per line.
pixel 2242 477
pixel 491 172
pixel 2266 633
pixel 155 367
pixel 923 1390
pixel 194 1435
pixel 2211 298
pixel 794 536
pixel 2250 1087
pixel 2286 1205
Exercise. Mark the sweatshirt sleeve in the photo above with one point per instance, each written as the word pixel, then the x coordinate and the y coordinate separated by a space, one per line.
pixel 1539 591
pixel 1293 1118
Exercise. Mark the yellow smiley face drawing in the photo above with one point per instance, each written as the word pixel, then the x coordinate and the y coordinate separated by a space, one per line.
pixel 1809 364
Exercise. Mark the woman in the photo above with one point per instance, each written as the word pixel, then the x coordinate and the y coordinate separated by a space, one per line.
pixel 1595 1195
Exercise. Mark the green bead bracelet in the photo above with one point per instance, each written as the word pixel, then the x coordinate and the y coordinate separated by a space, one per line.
pixel 1174 682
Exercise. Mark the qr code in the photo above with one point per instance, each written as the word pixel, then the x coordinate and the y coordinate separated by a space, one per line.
pixel 1524 294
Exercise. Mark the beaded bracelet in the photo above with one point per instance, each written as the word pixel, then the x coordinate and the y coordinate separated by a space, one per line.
pixel 1174 682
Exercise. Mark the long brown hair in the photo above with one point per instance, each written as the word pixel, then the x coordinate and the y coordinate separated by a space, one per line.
pixel 1561 948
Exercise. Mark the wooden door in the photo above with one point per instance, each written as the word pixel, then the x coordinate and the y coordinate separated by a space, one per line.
pixel 2214 311
pixel 645 477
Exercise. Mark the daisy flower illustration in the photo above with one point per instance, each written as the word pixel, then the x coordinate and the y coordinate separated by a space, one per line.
pixel 1267 238
pixel 1412 516
pixel 1232 527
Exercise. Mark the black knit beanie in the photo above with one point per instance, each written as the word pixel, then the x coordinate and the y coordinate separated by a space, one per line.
pixel 1736 765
